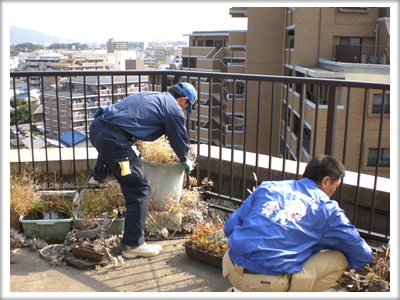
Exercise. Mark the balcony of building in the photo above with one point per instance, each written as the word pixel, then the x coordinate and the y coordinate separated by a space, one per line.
pixel 260 128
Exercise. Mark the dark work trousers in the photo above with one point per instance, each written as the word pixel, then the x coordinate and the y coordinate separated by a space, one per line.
pixel 113 149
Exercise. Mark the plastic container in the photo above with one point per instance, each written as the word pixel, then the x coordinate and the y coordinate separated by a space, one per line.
pixel 116 227
pixel 166 181
pixel 48 229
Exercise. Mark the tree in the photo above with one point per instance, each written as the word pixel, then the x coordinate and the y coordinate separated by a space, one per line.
pixel 23 115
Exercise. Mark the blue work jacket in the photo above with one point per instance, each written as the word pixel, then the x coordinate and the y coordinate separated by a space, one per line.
pixel 282 224
pixel 149 115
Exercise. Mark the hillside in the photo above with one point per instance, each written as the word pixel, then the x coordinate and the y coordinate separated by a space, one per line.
pixel 21 35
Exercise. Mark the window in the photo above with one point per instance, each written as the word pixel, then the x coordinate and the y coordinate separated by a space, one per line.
pixel 48 122
pixel 55 123
pixel 46 99
pixel 63 113
pixel 62 101
pixel 200 43
pixel 377 104
pixel 54 112
pixel 63 124
pixel 384 157
pixel 46 110
pixel 54 100
pixel 55 134
pixel 345 41
pixel 209 43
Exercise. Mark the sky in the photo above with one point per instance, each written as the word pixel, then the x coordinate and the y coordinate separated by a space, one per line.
pixel 124 21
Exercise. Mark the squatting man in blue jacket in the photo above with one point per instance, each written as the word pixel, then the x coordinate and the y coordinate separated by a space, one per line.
pixel 288 236
pixel 142 116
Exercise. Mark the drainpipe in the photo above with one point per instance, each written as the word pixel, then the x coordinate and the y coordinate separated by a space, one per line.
pixel 376 38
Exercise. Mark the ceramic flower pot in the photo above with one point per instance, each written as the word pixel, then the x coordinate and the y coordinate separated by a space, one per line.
pixel 87 233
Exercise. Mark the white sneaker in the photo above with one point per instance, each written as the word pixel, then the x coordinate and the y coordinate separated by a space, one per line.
pixel 144 250
pixel 93 181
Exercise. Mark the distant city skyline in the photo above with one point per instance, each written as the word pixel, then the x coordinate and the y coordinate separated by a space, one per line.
pixel 96 22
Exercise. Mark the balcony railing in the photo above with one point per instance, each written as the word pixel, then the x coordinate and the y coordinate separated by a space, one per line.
pixel 265 147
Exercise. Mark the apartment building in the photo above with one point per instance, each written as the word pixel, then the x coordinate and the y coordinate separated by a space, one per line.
pixel 79 114
pixel 77 62
pixel 116 45
pixel 332 42
pixel 42 62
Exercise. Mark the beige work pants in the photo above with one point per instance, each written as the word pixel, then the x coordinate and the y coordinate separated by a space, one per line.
pixel 318 274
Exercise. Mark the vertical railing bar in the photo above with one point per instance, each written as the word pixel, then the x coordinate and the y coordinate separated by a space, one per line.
pixel 59 130
pixel 221 121
pixel 45 131
pixel 140 83
pixel 126 85
pixel 316 122
pixel 361 155
pixel 258 131
pixel 271 137
pixel 16 126
pixel 30 125
pixel 209 127
pixel 233 136
pixel 187 117
pixel 331 122
pixel 285 132
pixel 112 90
pixel 72 122
pixel 346 129
pixel 86 122
pixel 378 155
pixel 245 140
pixel 198 128
pixel 300 140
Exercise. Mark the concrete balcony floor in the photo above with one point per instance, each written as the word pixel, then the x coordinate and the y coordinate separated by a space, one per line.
pixel 171 271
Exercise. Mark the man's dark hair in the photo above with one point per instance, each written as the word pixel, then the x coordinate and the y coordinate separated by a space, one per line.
pixel 324 165
pixel 176 92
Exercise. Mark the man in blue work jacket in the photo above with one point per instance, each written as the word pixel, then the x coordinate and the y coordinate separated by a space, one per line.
pixel 288 236
pixel 142 116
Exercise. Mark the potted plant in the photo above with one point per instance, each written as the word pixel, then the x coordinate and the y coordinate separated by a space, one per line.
pixel 23 193
pixel 163 170
pixel 96 205
pixel 208 243
pixel 46 218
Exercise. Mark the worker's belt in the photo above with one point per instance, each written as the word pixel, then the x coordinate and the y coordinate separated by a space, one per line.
pixel 116 128
pixel 238 268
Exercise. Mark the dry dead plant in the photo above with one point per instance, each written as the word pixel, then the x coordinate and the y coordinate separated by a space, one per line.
pixel 159 151
pixel 23 192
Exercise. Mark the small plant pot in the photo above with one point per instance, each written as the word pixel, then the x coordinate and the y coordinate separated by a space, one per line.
pixel 82 253
pixel 203 256
pixel 52 251
pixel 87 234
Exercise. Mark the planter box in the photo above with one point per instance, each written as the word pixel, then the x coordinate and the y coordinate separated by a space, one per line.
pixel 88 254
pixel 116 227
pixel 47 229
pixel 203 256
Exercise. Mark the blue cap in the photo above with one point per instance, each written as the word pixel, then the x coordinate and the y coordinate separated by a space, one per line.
pixel 189 91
